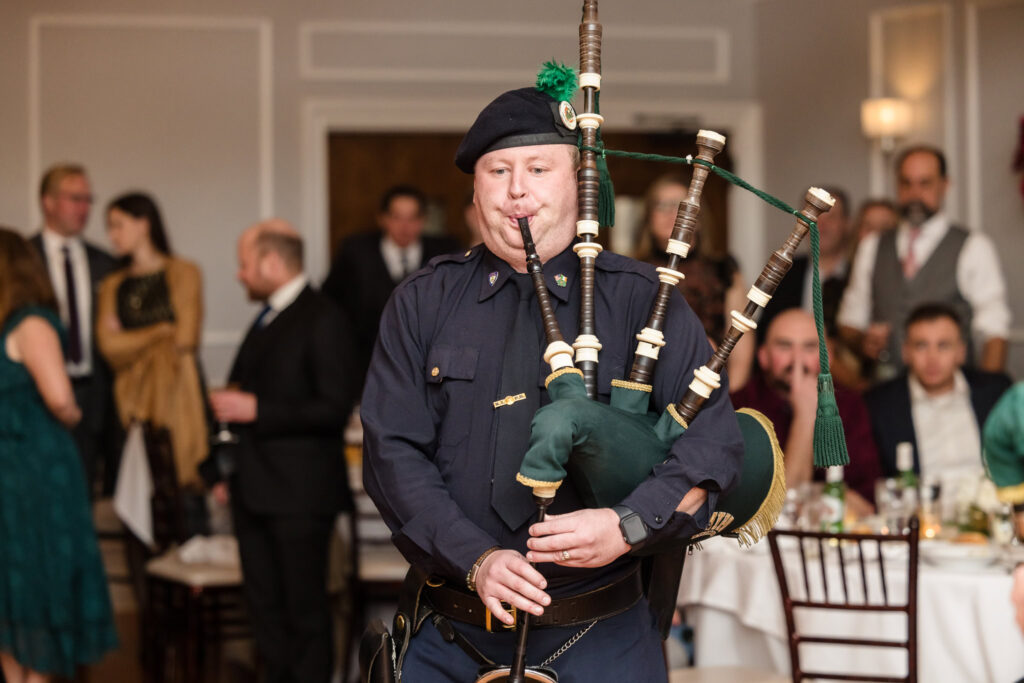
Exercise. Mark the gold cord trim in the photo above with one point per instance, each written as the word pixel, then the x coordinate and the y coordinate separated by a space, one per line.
pixel 1014 495
pixel 626 384
pixel 533 483
pixel 755 528
pixel 560 372
pixel 676 416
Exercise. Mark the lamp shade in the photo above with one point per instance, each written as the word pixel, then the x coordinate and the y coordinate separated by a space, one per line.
pixel 885 117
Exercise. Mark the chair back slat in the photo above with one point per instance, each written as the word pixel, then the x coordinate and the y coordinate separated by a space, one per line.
pixel 863 569
pixel 824 574
pixel 850 543
pixel 803 567
pixel 842 573
pixel 881 573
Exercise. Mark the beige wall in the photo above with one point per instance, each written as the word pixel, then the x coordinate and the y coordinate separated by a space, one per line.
pixel 220 108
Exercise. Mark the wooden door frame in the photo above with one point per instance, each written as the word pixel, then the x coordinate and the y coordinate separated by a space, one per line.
pixel 321 116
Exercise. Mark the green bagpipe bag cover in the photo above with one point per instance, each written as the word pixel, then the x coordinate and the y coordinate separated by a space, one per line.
pixel 610 448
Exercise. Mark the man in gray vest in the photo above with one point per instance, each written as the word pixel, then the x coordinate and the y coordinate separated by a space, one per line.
pixel 926 259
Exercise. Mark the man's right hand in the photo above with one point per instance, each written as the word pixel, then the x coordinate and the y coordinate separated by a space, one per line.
pixel 803 392
pixel 876 338
pixel 506 576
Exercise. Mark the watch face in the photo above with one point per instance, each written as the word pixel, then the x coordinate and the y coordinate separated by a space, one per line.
pixel 633 529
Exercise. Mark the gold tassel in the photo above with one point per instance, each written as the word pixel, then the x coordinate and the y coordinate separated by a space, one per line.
pixel 754 529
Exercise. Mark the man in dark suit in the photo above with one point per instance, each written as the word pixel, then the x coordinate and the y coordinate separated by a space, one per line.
pixel 76 268
pixel 937 404
pixel 294 392
pixel 368 266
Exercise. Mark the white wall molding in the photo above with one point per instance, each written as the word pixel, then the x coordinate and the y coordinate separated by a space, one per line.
pixel 265 142
pixel 262 27
pixel 717 39
pixel 879 181
pixel 743 120
pixel 972 108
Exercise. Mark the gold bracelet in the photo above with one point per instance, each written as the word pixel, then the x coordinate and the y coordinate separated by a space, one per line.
pixel 471 576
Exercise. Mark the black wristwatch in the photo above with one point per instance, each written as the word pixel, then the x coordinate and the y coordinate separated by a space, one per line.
pixel 634 529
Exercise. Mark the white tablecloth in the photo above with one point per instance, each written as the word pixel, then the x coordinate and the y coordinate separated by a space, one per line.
pixel 966 627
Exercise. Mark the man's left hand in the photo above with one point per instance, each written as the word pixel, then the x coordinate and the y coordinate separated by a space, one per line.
pixel 584 538
pixel 230 405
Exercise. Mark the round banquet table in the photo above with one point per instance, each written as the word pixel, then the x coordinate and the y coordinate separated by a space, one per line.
pixel 967 631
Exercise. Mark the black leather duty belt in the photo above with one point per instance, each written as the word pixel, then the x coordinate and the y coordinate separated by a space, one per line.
pixel 600 603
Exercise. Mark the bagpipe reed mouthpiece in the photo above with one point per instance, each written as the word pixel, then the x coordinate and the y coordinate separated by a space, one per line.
pixel 711 139
pixel 820 199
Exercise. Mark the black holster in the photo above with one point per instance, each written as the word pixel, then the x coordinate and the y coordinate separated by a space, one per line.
pixel 381 653
pixel 377 655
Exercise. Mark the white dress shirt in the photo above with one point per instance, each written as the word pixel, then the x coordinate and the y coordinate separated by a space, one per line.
pixel 948 439
pixel 978 277
pixel 392 254
pixel 53 245
pixel 284 296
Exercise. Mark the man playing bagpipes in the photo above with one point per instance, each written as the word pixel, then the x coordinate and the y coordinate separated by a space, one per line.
pixel 524 497
pixel 455 379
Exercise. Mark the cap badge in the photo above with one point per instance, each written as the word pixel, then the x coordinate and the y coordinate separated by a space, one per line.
pixel 561 280
pixel 492 278
pixel 567 114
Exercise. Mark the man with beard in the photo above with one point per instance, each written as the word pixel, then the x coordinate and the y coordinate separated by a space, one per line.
pixel 786 391
pixel 895 271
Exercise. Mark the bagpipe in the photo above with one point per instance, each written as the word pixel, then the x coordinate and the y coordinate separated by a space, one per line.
pixel 608 449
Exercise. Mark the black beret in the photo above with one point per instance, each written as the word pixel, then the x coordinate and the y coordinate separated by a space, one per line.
pixel 517 118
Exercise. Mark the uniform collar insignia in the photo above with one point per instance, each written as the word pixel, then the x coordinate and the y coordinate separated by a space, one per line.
pixel 492 278
pixel 561 280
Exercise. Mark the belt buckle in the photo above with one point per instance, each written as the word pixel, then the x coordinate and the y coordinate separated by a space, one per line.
pixel 488 617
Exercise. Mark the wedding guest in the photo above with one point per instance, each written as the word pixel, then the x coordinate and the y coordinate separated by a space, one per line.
pixel 937 404
pixel 55 611
pixel 875 216
pixel 75 268
pixel 786 391
pixel 295 387
pixel 712 285
pixel 149 318
pixel 368 266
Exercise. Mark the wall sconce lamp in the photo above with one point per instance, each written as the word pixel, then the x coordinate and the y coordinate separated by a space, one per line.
pixel 885 119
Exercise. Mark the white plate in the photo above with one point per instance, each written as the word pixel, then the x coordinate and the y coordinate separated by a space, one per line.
pixel 958 555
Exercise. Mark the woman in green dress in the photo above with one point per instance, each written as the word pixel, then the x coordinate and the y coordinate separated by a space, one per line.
pixel 55 608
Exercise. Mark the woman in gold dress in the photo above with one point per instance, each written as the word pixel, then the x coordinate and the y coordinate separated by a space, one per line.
pixel 149 314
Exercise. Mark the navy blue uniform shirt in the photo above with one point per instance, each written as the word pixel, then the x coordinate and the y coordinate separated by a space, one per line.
pixel 429 420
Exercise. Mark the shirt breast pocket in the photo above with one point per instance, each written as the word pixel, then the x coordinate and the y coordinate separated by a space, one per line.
pixel 450 371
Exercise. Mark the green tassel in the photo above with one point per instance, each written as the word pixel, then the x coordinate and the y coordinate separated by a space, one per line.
pixel 557 80
pixel 829 440
pixel 605 190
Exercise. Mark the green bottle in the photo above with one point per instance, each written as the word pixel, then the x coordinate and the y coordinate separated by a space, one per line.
pixel 833 499
pixel 909 483
pixel 905 465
